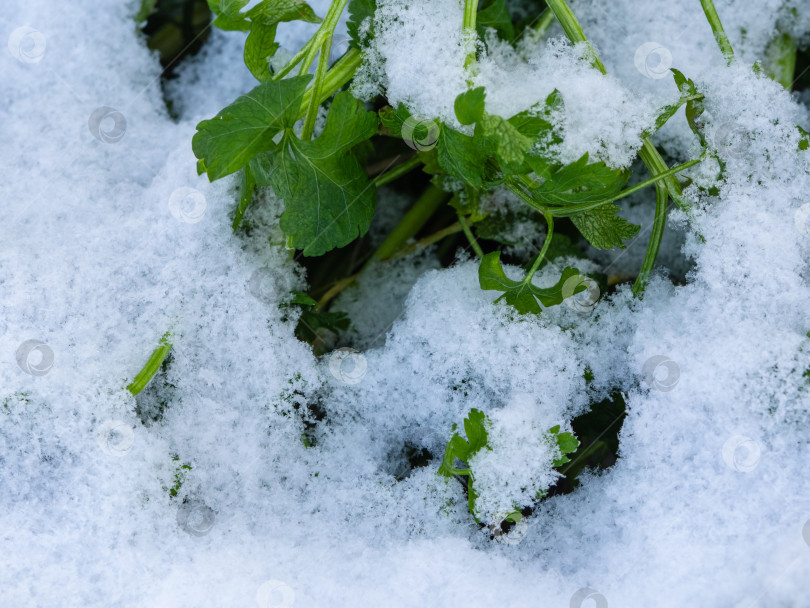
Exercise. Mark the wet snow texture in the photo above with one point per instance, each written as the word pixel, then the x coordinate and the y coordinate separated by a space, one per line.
pixel 102 251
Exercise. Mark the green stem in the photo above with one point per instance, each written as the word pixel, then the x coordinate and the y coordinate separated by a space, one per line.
pixel 465 226
pixel 312 51
pixel 527 181
pixel 397 171
pixel 537 31
pixel 468 25
pixel 569 210
pixel 470 14
pixel 659 223
pixel 149 370
pixel 663 176
pixel 326 30
pixel 656 165
pixel 573 29
pixel 246 186
pixel 539 259
pixel 317 86
pixel 429 240
pixel 302 52
pixel 649 155
pixel 416 217
pixel 717 28
pixel 336 289
pixel 321 45
pixel 341 73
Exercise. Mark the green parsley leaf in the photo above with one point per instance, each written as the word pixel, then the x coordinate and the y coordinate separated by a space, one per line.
pixel 566 442
pixel 804 142
pixel 694 107
pixel 227 15
pixel 227 142
pixel 523 295
pixel 503 141
pixel 458 448
pixel 580 182
pixel 603 228
pixel 312 322
pixel 461 156
pixel 583 182
pixel 537 119
pixel 469 106
pixel 393 119
pixel 359 11
pixel 260 45
pixel 475 429
pixel 495 14
pixel 328 197
pixel 271 12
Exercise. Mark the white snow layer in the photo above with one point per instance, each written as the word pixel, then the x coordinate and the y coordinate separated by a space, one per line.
pixel 108 239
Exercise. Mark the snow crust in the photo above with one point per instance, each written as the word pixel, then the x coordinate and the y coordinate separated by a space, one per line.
pixel 103 248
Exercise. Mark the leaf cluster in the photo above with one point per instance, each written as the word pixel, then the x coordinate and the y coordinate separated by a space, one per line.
pixel 475 429
pixel 261 22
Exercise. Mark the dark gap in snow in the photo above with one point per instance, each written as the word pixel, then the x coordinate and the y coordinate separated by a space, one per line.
pixel 176 29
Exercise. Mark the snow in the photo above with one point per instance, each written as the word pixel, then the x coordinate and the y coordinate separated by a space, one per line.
pixel 106 245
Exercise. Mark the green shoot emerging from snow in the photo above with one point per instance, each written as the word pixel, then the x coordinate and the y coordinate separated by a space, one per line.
pixel 327 182
pixel 143 377
pixel 476 430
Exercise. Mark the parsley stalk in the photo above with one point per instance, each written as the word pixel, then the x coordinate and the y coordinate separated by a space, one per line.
pixel 468 27
pixel 152 366
pixel 297 58
pixel 536 31
pixel 648 153
pixel 465 226
pixel 416 217
pixel 717 29
pixel 413 221
pixel 523 185
pixel 317 86
pixel 572 28
pixel 540 256
pixel 321 46
pixel 397 171
pixel 654 244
